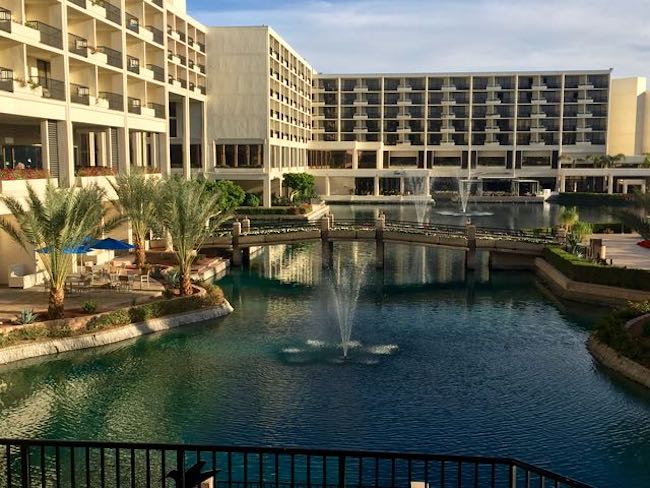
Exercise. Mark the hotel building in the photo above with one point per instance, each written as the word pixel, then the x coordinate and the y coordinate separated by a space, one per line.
pixel 89 88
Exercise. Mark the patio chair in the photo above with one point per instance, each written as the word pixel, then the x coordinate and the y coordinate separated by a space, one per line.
pixel 125 283
pixel 144 279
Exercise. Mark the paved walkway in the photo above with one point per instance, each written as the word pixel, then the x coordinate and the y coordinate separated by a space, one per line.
pixel 622 249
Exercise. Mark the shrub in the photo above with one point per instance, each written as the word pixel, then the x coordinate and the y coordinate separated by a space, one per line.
pixel 251 200
pixel 611 330
pixel 26 316
pixel 89 306
pixel 585 271
pixel 214 295
pixel 59 329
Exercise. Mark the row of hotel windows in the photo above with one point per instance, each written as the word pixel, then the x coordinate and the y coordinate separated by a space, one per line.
pixel 506 111
pixel 570 96
pixel 463 82
pixel 461 125
pixel 548 138
pixel 317 159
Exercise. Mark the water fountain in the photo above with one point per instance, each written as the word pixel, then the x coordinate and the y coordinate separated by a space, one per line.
pixel 464 191
pixel 417 186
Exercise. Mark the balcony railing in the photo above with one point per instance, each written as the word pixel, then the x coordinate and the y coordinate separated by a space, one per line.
pixel 132 22
pixel 113 57
pixel 158 72
pixel 183 82
pixel 158 2
pixel 113 13
pixel 202 89
pixel 6 79
pixel 158 109
pixel 158 36
pixel 115 100
pixel 79 94
pixel 40 463
pixel 134 105
pixel 5 19
pixel 201 68
pixel 54 89
pixel 133 64
pixel 201 46
pixel 77 45
pixel 183 60
pixel 50 36
pixel 80 3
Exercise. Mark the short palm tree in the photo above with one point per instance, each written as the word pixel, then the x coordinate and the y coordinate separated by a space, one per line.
pixel 190 212
pixel 569 217
pixel 56 225
pixel 637 219
pixel 137 201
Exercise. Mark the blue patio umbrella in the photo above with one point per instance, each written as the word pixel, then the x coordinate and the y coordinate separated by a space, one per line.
pixel 111 244
pixel 80 249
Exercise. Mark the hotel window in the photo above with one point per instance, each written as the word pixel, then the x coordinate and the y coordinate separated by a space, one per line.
pixel 173 121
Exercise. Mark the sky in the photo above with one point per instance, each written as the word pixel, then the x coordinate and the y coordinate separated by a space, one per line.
pixel 365 36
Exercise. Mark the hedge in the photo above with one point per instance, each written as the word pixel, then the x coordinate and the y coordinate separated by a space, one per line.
pixel 611 330
pixel 585 271
pixel 594 199
pixel 598 228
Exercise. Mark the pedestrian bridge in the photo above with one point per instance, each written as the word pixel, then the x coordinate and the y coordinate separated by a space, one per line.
pixel 242 236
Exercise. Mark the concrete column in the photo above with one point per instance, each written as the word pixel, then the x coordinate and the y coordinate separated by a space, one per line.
pixel 327 186
pixel 145 148
pixel 355 159
pixel 165 157
pixel 562 183
pixel 108 150
pixel 187 171
pixel 154 151
pixel 402 188
pixel 266 192
pixel 66 153
pixel 45 146
pixel 610 184
pixel 376 188
pixel 236 250
pixel 92 161
pixel 205 148
pixel 100 142
pixel 136 148
pixel 123 148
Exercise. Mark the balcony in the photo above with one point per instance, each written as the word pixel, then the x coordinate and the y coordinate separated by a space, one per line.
pixel 538 129
pixel 115 101
pixel 539 86
pixel 361 89
pixel 158 72
pixel 493 101
pixel 113 13
pixel 495 87
pixel 492 129
pixel 404 102
pixel 158 109
pixel 134 105
pixel 539 101
pixel 78 45
pixel 404 88
pixel 79 94
pixel 493 116
pixel 183 82
pixel 159 3
pixel 448 102
pixel 586 86
pixel 584 129
pixel 585 100
pixel 361 103
pixel 360 116
pixel 50 36
pixel 448 88
pixel 404 130
pixel 404 116
pixel 132 22
pixel 133 64
pixel 538 115
pixel 584 115
pixel 158 36
pixel 5 20
pixel 113 57
pixel 174 58
pixel 447 130
pixel 79 3
pixel 6 80
pixel 361 130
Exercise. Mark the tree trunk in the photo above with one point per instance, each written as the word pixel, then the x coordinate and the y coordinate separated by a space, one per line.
pixel 186 283
pixel 55 303
pixel 140 254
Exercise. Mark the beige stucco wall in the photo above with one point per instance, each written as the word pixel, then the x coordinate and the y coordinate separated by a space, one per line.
pixel 238 72
pixel 626 116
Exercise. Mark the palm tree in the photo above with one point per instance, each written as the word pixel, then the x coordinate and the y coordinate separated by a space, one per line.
pixel 637 219
pixel 606 161
pixel 579 232
pixel 59 222
pixel 190 212
pixel 137 201
pixel 568 218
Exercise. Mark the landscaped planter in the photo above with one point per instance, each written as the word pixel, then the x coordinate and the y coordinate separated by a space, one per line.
pixel 147 35
pixel 20 30
pixel 18 188
pixel 100 181
pixel 98 57
pixel 147 112
pixel 96 9
pixel 146 73
pixel 102 103
pixel 27 89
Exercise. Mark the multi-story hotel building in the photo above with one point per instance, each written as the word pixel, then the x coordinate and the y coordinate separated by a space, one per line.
pixel 92 87
pixel 392 135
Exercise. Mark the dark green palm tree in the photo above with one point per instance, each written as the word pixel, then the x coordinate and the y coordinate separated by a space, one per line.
pixel 637 219
pixel 58 223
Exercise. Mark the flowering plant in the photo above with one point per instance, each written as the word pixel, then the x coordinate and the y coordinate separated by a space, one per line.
pixel 95 171
pixel 23 174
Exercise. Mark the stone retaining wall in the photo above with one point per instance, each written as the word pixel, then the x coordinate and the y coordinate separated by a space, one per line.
pixel 614 361
pixel 105 337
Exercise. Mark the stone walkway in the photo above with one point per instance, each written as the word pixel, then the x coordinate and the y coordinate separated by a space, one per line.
pixel 622 249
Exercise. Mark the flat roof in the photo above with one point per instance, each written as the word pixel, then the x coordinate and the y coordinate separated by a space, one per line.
pixel 464 73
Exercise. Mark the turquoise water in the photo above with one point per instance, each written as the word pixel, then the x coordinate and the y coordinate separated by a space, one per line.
pixel 440 362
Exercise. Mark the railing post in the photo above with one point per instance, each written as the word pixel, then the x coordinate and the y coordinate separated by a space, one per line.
pixel 245 225
pixel 24 466
pixel 512 477
pixel 236 250
pixel 341 472
pixel 470 235
pixel 327 247
pixel 180 468
pixel 380 227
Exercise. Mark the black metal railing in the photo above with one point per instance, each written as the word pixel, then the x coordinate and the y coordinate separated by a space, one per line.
pixel 158 72
pixel 183 59
pixel 50 35
pixel 113 13
pixel 54 89
pixel 133 64
pixel 5 19
pixel 41 463
pixel 183 82
pixel 6 79
pixel 181 35
pixel 113 57
pixel 115 100
pixel 77 45
pixel 79 3
pixel 79 94
pixel 158 35
pixel 202 89
pixel 201 47
pixel 158 108
pixel 158 2
pixel 132 22
pixel 134 105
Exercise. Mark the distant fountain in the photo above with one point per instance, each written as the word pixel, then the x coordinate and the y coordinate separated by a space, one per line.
pixel 464 191
pixel 344 287
pixel 417 186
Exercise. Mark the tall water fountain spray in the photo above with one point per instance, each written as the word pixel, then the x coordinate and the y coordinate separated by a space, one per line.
pixel 417 185
pixel 344 286
pixel 464 191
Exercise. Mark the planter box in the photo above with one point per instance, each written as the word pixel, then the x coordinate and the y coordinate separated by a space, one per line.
pixel 175 59
pixel 147 112
pixel 147 35
pixel 146 73
pixel 18 188
pixel 197 90
pixel 101 103
pixel 27 89
pixel 96 9
pixel 98 58
pixel 26 32
pixel 175 35
pixel 176 84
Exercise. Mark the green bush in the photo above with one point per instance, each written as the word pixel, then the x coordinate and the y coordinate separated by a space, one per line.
pixel 585 271
pixel 89 306
pixel 251 200
pixel 611 330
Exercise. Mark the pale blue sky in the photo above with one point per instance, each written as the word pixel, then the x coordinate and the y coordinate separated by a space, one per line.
pixel 451 35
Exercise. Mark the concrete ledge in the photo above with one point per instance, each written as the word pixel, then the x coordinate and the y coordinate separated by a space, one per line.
pixel 111 336
pixel 609 358
pixel 577 290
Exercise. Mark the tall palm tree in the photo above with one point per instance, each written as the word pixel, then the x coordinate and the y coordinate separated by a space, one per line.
pixel 59 222
pixel 190 212
pixel 137 201
pixel 637 218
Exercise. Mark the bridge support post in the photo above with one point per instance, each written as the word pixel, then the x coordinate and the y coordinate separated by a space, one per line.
pixel 236 250
pixel 380 226
pixel 327 246
pixel 246 224
pixel 470 255
pixel 246 257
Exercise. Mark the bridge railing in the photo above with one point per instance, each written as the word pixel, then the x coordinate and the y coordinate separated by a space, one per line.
pixel 49 463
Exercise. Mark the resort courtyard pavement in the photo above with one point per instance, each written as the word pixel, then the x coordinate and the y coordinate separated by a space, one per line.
pixel 623 250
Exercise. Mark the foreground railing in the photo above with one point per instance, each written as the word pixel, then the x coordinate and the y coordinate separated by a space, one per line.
pixel 41 463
